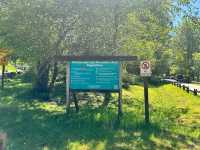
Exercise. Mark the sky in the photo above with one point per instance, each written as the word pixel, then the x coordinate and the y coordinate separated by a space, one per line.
pixel 178 18
pixel 198 6
pixel 198 3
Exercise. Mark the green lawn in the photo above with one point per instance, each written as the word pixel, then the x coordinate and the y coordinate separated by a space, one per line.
pixel 9 68
pixel 35 125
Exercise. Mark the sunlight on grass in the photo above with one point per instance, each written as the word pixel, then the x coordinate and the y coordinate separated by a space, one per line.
pixel 78 146
pixel 87 146
pixel 9 68
pixel 161 142
pixel 51 107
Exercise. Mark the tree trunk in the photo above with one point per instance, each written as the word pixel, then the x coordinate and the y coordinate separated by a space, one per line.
pixel 41 83
pixel 54 76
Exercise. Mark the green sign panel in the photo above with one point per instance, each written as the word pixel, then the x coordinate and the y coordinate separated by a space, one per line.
pixel 95 75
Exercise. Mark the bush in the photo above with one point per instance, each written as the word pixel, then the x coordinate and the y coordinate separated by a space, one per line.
pixel 27 76
pixel 130 78
pixel 155 80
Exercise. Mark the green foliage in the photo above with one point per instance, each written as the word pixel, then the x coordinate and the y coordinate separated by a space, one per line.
pixel 147 34
pixel 186 47
pixel 196 59
pixel 38 30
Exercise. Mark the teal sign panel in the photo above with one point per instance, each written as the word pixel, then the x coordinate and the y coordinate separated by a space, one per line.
pixel 94 75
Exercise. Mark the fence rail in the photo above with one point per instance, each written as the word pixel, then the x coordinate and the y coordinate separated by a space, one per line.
pixel 186 87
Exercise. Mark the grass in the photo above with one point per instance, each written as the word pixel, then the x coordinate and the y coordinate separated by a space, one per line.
pixel 9 68
pixel 35 125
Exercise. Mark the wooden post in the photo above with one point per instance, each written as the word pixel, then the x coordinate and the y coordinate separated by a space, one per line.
pixel 67 88
pixel 120 113
pixel 146 100
pixel 195 92
pixel 3 76
pixel 188 89
pixel 76 102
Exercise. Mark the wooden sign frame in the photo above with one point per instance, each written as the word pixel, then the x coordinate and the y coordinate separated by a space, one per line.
pixel 68 59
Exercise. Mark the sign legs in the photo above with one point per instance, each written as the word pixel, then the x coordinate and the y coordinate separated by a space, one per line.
pixel 76 102
pixel 3 76
pixel 67 88
pixel 120 113
pixel 146 100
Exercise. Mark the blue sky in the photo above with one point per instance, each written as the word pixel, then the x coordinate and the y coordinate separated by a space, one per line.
pixel 198 6
pixel 178 18
pixel 198 3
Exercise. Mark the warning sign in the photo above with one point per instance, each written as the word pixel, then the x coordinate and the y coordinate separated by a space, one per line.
pixel 145 69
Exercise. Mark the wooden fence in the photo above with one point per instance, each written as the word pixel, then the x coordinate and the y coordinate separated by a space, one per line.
pixel 186 87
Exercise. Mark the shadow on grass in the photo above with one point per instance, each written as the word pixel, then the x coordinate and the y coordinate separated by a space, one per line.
pixel 35 128
pixel 30 126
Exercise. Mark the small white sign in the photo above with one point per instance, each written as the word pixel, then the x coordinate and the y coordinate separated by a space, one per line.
pixel 145 69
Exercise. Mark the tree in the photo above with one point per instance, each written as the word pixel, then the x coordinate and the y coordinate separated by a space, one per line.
pixel 186 44
pixel 196 59
pixel 37 31
pixel 147 33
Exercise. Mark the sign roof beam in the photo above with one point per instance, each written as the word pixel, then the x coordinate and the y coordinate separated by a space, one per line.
pixel 96 58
